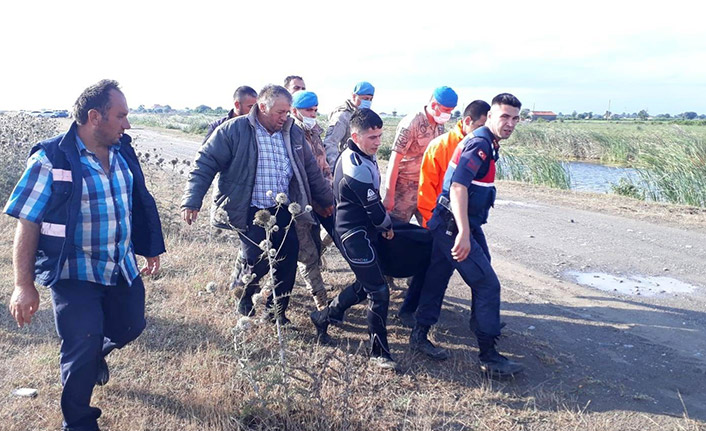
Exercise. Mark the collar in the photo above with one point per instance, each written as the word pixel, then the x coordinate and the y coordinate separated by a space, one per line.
pixel 357 150
pixel 81 147
pixel 254 122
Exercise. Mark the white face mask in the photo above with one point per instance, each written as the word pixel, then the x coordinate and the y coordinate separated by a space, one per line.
pixel 442 118
pixel 309 123
pixel 365 104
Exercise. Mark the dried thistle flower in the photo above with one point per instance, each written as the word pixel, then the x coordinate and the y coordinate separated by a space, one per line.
pixel 294 208
pixel 275 228
pixel 265 244
pixel 281 198
pixel 269 193
pixel 244 323
pixel 221 216
pixel 262 218
pixel 307 209
pixel 258 298
pixel 273 252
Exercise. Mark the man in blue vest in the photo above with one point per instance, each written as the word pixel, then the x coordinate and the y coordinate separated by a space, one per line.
pixel 459 243
pixel 83 213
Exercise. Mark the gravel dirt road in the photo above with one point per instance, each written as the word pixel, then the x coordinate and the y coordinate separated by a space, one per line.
pixel 642 351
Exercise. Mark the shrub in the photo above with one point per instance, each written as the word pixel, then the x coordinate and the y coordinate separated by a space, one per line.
pixel 18 133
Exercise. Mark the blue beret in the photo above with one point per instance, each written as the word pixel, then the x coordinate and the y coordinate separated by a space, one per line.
pixel 364 88
pixel 304 99
pixel 446 96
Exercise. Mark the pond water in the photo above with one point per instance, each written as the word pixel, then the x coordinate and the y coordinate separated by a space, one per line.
pixel 637 285
pixel 593 177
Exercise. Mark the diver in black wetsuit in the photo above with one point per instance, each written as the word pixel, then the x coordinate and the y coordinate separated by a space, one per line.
pixel 360 220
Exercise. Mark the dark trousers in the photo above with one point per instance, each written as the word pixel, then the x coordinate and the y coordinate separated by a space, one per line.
pixel 414 292
pixel 240 262
pixel 285 240
pixel 92 319
pixel 362 257
pixel 478 274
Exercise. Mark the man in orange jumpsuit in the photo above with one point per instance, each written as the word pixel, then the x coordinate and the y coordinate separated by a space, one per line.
pixel 438 154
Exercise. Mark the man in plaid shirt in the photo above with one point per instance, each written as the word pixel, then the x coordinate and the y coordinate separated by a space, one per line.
pixel 83 212
pixel 264 164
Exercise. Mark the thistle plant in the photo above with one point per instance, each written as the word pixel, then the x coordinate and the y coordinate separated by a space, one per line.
pixel 268 222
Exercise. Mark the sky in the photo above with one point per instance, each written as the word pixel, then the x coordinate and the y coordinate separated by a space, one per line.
pixel 553 55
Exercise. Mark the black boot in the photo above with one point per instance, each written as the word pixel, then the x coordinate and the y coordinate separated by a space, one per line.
pixel 349 297
pixel 495 364
pixel 245 305
pixel 419 342
pixel 320 319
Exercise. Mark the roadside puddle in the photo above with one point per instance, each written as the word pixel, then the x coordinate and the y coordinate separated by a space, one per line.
pixel 631 285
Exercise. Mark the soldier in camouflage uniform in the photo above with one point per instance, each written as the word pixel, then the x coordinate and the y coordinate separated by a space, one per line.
pixel 304 109
pixel 339 129
pixel 414 133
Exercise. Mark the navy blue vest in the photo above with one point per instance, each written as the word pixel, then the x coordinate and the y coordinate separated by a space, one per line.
pixel 65 204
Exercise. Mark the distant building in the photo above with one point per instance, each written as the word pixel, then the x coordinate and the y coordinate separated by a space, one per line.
pixel 544 115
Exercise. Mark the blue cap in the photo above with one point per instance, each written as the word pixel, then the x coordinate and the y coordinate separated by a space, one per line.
pixel 304 99
pixel 446 96
pixel 364 88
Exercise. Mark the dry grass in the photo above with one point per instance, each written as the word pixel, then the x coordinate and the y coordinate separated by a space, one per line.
pixel 191 370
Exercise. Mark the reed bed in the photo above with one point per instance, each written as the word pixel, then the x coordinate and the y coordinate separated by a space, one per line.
pixel 519 164
pixel 670 158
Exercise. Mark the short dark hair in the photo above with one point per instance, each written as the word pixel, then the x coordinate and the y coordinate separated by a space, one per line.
pixel 476 109
pixel 506 99
pixel 243 91
pixel 97 96
pixel 291 78
pixel 364 119
pixel 270 92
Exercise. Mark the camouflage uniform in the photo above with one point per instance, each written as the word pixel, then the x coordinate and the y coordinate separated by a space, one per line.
pixel 339 130
pixel 309 260
pixel 411 139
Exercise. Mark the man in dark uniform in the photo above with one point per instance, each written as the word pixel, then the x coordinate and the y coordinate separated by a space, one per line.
pixel 459 242
pixel 244 98
pixel 360 220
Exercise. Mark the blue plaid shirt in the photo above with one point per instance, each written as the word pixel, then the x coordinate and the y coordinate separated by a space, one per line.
pixel 274 169
pixel 103 229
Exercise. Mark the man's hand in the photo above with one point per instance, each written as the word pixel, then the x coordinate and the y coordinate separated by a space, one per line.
pixel 388 201
pixel 462 247
pixel 324 212
pixel 389 234
pixel 151 266
pixel 24 303
pixel 189 215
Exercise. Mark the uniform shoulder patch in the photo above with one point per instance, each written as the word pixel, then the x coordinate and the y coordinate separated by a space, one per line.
pixel 482 154
pixel 372 195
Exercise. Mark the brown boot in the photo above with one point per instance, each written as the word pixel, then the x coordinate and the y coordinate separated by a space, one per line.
pixel 320 299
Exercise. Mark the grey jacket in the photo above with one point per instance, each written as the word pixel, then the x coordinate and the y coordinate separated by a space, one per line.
pixel 338 131
pixel 232 151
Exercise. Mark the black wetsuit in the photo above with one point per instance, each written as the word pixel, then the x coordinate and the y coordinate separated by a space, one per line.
pixel 360 216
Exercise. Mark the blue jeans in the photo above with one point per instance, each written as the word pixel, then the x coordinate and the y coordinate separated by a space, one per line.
pixel 92 319
pixel 478 274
